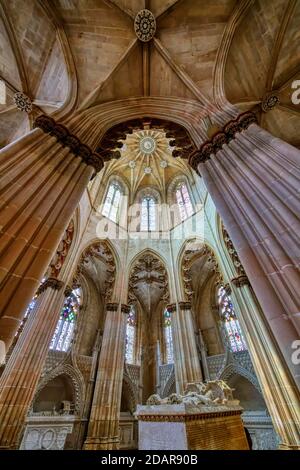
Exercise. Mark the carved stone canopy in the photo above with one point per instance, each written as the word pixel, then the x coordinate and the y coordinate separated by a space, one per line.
pixel 148 282
pixel 97 261
pixel 113 140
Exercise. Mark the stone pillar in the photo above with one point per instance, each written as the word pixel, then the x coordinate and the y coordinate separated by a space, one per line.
pixel 43 176
pixel 203 353
pixel 103 430
pixel 253 179
pixel 23 369
pixel 187 365
pixel 275 380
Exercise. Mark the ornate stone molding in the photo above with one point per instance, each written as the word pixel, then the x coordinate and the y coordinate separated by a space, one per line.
pixel 62 251
pixel 188 259
pixel 227 289
pixel 51 282
pixel 112 307
pixel 66 139
pixel 125 308
pixel 232 252
pixel 240 281
pixel 185 305
pixel 269 101
pixel 241 123
pixel 145 25
pixel 185 417
pixel 99 250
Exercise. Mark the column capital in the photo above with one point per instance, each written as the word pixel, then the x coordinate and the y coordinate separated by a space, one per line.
pixel 112 306
pixel 66 139
pixel 183 305
pixel 241 123
pixel 125 308
pixel 51 282
pixel 240 281
pixel 68 291
pixel 171 308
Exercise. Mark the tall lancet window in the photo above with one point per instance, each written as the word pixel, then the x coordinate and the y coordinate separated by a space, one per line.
pixel 64 331
pixel 168 337
pixel 184 201
pixel 112 202
pixel 148 213
pixel 232 327
pixel 130 336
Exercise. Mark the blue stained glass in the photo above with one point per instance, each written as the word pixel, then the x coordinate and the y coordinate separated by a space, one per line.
pixel 230 321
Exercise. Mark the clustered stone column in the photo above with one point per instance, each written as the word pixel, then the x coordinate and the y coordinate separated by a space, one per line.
pixel 186 358
pixel 276 382
pixel 43 176
pixel 253 178
pixel 103 430
pixel 22 372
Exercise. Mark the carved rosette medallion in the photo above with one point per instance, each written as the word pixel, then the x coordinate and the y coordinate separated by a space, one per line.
pixel 269 101
pixel 145 25
pixel 23 102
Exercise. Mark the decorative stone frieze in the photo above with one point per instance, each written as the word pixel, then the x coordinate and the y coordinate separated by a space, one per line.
pixel 184 305
pixel 112 307
pixel 240 281
pixel 241 123
pixel 51 282
pixel 66 139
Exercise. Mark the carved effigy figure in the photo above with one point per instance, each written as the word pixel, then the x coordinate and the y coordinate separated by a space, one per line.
pixel 211 393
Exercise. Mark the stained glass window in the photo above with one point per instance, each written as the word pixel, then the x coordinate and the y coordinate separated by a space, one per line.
pixel 64 331
pixel 112 202
pixel 230 321
pixel 148 214
pixel 130 336
pixel 168 337
pixel 184 201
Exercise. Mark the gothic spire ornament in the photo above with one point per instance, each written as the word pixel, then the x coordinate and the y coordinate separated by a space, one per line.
pixel 145 25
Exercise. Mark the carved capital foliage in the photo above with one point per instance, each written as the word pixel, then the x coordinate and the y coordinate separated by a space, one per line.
pixel 185 305
pixel 66 139
pixel 240 281
pixel 241 123
pixel 51 283
pixel 112 307
pixel 68 291
pixel 125 308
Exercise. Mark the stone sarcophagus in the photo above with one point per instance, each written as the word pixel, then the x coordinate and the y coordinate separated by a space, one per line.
pixel 206 417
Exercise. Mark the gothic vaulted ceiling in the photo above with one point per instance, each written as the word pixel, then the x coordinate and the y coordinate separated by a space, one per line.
pixel 75 54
